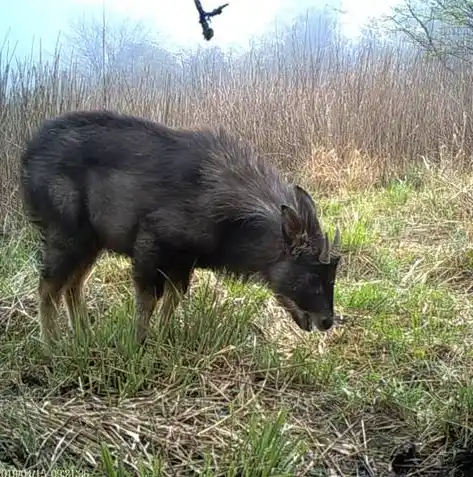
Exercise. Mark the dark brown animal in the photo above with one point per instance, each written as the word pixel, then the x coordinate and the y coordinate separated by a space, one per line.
pixel 171 200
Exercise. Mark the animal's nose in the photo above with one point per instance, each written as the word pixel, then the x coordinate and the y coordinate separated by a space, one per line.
pixel 327 323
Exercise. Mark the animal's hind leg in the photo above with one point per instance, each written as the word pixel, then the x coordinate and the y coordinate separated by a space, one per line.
pixel 74 298
pixel 49 301
pixel 62 257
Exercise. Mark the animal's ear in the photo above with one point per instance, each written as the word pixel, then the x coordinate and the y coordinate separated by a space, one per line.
pixel 304 197
pixel 292 226
pixel 308 210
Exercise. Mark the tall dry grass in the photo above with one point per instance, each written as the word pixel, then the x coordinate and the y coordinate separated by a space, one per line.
pixel 365 111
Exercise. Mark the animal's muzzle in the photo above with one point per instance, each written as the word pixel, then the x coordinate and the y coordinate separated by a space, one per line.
pixel 313 321
pixel 305 320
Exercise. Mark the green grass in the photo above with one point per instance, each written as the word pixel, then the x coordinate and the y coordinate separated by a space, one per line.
pixel 232 388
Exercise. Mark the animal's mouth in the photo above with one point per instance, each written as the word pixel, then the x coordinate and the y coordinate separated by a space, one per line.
pixel 320 322
pixel 305 320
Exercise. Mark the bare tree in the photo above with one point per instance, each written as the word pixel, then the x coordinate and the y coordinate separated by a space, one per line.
pixel 301 41
pixel 115 45
pixel 442 28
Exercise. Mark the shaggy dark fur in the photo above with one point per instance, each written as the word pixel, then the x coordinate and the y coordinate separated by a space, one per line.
pixel 171 200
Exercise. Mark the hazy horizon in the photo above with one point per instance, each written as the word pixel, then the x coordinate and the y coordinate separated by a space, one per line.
pixel 28 24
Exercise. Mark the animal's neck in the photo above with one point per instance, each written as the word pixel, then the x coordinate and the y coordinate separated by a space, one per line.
pixel 246 247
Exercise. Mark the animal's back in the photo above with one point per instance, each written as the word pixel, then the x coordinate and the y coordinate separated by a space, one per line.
pixel 104 171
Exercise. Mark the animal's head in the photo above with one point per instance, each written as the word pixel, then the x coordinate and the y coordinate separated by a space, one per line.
pixel 304 278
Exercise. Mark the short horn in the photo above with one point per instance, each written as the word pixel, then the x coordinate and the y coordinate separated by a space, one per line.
pixel 336 240
pixel 325 253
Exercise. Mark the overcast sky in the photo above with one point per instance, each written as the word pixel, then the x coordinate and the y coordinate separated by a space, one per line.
pixel 21 20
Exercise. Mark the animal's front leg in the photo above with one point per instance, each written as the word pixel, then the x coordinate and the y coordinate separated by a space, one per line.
pixel 175 288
